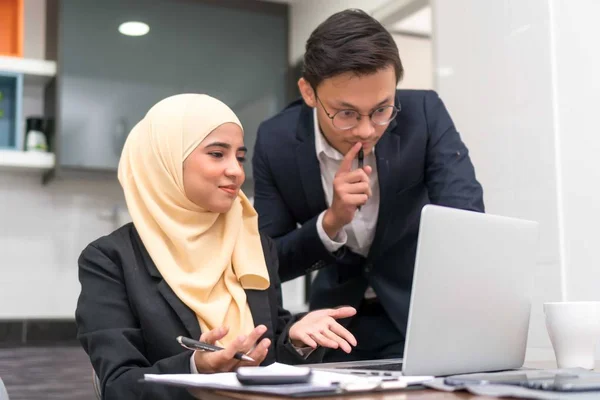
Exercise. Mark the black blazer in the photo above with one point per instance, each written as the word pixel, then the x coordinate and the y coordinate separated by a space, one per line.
pixel 420 159
pixel 128 318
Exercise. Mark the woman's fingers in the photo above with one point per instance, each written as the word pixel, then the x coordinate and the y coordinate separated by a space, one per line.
pixel 244 343
pixel 258 353
pixel 250 341
pixel 214 335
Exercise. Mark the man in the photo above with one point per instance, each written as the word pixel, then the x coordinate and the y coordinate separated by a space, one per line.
pixel 358 226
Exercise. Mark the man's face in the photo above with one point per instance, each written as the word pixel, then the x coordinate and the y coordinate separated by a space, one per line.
pixel 348 92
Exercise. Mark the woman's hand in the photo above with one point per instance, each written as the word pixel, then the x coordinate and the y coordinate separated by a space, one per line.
pixel 224 361
pixel 320 328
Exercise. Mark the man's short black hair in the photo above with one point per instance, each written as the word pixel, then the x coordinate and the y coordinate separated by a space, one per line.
pixel 349 41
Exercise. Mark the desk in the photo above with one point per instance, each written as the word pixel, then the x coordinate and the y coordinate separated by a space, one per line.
pixel 398 395
pixel 410 394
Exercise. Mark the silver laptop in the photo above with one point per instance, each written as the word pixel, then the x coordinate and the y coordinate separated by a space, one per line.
pixel 470 301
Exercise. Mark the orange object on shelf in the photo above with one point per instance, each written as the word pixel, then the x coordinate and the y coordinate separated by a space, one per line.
pixel 11 28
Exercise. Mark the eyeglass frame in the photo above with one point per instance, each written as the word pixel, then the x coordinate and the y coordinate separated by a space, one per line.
pixel 370 115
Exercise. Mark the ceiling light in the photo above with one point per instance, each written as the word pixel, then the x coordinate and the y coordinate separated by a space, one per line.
pixel 134 28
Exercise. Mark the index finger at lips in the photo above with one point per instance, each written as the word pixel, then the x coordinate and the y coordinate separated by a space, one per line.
pixel 346 163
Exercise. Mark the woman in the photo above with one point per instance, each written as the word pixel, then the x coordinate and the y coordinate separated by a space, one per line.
pixel 191 264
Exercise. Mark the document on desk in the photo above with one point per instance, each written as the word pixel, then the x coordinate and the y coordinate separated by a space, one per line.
pixel 322 382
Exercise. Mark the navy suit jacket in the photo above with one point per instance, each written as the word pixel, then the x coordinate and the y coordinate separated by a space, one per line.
pixel 420 159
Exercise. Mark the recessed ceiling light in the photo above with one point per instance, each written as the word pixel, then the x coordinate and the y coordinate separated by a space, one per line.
pixel 134 28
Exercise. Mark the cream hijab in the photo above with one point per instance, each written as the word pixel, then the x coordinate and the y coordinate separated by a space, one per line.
pixel 207 258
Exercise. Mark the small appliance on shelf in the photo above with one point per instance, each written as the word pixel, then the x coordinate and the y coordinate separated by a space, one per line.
pixel 35 136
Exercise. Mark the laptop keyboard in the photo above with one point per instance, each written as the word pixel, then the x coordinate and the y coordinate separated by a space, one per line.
pixel 380 367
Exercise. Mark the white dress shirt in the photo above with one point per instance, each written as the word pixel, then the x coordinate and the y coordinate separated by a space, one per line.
pixel 357 235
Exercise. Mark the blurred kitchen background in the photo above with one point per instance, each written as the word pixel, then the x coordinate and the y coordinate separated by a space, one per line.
pixel 520 79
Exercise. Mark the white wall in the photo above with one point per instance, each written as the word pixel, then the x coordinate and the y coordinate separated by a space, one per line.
pixel 415 53
pixel 34 45
pixel 43 231
pixel 577 73
pixel 306 15
pixel 416 56
pixel 521 83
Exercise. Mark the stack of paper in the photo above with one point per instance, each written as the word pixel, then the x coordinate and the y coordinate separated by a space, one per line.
pixel 321 381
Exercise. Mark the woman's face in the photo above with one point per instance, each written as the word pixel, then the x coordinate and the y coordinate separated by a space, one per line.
pixel 213 173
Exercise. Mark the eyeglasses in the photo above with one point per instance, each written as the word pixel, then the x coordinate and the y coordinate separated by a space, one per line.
pixel 348 119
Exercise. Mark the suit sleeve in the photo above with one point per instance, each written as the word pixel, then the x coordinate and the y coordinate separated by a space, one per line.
pixel 109 332
pixel 300 250
pixel 449 175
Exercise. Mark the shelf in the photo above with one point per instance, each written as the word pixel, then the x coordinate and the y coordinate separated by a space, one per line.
pixel 34 71
pixel 11 160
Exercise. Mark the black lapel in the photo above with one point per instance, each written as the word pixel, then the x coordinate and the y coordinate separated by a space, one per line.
pixel 308 164
pixel 258 301
pixel 386 154
pixel 185 314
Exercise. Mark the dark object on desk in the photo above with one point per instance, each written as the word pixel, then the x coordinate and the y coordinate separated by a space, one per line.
pixel 257 376
pixel 539 380
pixel 194 345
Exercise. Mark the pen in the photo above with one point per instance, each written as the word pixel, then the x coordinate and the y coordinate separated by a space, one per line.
pixel 361 158
pixel 192 344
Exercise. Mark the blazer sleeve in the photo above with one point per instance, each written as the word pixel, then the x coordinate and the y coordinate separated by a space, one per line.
pixel 300 250
pixel 284 351
pixel 109 332
pixel 449 173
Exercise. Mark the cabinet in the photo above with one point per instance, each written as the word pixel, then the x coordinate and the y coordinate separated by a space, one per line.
pixel 107 81
pixel 11 93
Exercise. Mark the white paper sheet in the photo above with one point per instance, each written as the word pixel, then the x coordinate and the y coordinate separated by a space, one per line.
pixel 319 379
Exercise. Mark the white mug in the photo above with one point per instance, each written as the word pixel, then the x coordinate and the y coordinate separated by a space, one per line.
pixel 574 330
